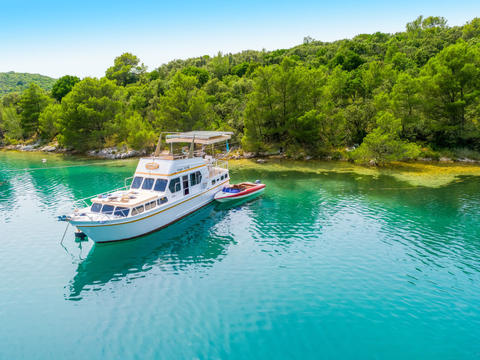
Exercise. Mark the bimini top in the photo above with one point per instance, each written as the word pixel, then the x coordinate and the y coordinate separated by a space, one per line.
pixel 199 137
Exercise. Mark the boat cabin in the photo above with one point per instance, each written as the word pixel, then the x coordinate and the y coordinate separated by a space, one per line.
pixel 166 178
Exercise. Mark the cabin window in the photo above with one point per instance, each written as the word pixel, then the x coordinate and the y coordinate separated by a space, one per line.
pixel 160 185
pixel 150 205
pixel 121 211
pixel 137 181
pixel 175 185
pixel 213 182
pixel 186 191
pixel 162 200
pixel 137 210
pixel 195 178
pixel 107 209
pixel 96 207
pixel 148 184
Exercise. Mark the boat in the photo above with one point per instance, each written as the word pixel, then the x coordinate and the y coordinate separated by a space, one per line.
pixel 240 191
pixel 165 188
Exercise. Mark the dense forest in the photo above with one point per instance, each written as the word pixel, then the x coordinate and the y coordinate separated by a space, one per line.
pixel 374 98
pixel 17 82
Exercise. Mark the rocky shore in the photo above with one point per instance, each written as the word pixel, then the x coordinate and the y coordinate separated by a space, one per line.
pixel 113 153
pixel 107 153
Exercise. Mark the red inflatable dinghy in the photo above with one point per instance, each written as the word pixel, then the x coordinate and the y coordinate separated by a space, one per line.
pixel 240 191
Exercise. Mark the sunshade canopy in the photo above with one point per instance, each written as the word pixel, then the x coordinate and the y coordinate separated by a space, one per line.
pixel 199 137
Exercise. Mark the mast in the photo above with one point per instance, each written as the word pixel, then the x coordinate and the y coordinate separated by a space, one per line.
pixel 157 149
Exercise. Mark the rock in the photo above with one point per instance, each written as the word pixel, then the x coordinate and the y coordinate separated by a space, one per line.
pixel 372 163
pixel 466 160
pixel 248 155
pixel 48 148
pixel 445 159
pixel 425 159
pixel 308 158
pixel 261 161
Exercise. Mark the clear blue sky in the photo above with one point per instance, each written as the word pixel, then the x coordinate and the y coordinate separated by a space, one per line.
pixel 83 37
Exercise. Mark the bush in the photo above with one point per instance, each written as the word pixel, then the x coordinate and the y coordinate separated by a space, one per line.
pixel 383 144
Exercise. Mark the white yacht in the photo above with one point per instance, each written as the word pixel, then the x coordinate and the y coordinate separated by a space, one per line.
pixel 165 188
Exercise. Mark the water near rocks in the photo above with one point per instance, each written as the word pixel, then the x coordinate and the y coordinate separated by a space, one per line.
pixel 335 265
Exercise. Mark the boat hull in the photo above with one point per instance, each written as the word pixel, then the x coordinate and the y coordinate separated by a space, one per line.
pixel 228 197
pixel 145 223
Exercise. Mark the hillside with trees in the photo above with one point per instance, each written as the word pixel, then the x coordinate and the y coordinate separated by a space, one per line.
pixel 383 97
pixel 18 82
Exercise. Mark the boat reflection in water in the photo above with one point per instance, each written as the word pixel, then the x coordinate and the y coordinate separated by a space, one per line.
pixel 195 242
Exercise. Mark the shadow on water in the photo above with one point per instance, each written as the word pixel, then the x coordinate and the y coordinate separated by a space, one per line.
pixel 196 242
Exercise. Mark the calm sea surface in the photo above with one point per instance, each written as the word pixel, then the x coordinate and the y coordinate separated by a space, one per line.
pixel 334 266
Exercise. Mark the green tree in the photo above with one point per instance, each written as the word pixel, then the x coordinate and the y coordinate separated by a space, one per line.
pixel 451 83
pixel 219 66
pixel 201 74
pixel 32 102
pixel 126 69
pixel 406 104
pixel 87 111
pixel 184 107
pixel 63 86
pixel 383 144
pixel 10 126
pixel 49 120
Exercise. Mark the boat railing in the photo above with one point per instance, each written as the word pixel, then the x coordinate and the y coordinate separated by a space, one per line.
pixel 221 163
pixel 83 203
pixel 178 156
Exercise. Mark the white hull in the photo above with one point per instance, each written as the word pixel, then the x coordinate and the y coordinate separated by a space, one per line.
pixel 231 199
pixel 149 221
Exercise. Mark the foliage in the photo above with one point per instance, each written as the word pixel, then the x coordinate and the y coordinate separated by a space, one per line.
pixel 32 102
pixel 10 126
pixel 63 86
pixel 383 144
pixel 17 82
pixel 126 69
pixel 381 93
pixel 49 120
pixel 86 112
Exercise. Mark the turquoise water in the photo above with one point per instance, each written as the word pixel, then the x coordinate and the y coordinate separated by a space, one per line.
pixel 333 266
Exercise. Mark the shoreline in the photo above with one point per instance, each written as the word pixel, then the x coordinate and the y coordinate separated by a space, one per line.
pixel 114 153
pixel 430 174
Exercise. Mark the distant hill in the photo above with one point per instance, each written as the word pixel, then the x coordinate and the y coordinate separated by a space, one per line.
pixel 12 81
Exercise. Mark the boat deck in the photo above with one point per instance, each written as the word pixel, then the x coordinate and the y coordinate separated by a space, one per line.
pixel 126 198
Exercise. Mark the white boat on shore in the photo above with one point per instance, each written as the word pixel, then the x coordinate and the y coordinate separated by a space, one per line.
pixel 164 189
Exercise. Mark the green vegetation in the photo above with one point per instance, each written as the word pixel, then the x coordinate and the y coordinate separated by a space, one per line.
pixel 18 82
pixel 384 97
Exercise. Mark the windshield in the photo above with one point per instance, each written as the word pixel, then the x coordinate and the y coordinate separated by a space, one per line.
pixel 160 185
pixel 137 181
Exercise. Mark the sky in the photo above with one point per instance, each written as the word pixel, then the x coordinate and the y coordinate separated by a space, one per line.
pixel 82 38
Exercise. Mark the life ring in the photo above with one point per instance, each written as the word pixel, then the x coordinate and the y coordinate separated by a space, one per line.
pixel 151 166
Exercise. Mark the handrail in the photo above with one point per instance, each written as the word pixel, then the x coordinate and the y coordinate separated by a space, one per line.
pixel 76 203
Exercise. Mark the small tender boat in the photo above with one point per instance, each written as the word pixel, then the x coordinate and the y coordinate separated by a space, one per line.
pixel 240 191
